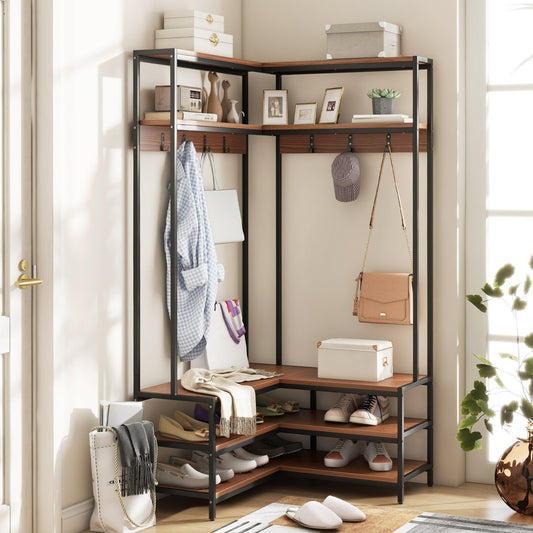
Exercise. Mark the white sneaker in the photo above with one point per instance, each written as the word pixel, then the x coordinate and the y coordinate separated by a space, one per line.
pixel 182 476
pixel 340 412
pixel 260 460
pixel 202 465
pixel 373 411
pixel 345 451
pixel 238 465
pixel 377 457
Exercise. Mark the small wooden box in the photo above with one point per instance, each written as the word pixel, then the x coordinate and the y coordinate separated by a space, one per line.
pixel 356 359
pixel 205 41
pixel 193 19
pixel 370 39
pixel 188 98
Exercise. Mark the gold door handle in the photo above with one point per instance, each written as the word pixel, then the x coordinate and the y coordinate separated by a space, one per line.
pixel 24 281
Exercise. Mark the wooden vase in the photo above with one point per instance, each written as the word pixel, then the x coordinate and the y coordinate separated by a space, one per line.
pixel 226 106
pixel 213 103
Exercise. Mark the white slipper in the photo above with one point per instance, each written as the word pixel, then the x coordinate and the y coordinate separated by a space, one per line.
pixel 314 515
pixel 346 511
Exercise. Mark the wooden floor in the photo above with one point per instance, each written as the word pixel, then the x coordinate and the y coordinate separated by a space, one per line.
pixel 180 515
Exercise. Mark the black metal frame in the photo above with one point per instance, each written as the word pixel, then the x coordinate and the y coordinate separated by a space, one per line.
pixel 173 59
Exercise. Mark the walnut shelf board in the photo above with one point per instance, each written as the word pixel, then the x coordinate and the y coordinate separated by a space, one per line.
pixel 301 376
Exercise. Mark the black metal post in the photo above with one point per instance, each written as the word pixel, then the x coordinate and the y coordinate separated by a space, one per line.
pixel 416 246
pixel 401 442
pixel 245 211
pixel 279 261
pixel 212 460
pixel 136 230
pixel 173 230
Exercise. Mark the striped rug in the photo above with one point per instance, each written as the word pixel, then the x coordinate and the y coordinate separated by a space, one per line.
pixel 440 523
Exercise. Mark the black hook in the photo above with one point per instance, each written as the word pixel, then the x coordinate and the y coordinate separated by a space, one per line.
pixel 311 148
pixel 163 147
pixel 349 148
pixel 225 149
pixel 205 144
pixel 184 138
pixel 388 143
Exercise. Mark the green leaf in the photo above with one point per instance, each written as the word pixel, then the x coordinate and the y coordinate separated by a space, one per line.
pixel 527 409
pixel 518 304
pixel 531 262
pixel 527 284
pixel 529 341
pixel 483 359
pixel 528 364
pixel 477 301
pixel 469 440
pixel 513 289
pixel 491 291
pixel 479 392
pixel 486 371
pixel 508 356
pixel 507 412
pixel 484 406
pixel 505 272
pixel 468 422
pixel 499 381
pixel 488 425
pixel 524 375
pixel 531 388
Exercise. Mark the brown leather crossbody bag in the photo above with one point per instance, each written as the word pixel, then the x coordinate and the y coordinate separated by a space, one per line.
pixel 384 298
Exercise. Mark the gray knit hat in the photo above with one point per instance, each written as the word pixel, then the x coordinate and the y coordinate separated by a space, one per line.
pixel 346 177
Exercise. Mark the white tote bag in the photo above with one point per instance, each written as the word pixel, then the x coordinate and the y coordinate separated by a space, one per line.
pixel 222 208
pixel 222 351
pixel 114 513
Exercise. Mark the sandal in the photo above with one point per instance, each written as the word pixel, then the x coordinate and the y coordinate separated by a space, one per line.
pixel 288 406
pixel 270 410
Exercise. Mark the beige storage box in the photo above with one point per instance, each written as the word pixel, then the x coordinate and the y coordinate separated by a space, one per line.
pixel 369 39
pixel 188 98
pixel 200 20
pixel 355 359
pixel 204 41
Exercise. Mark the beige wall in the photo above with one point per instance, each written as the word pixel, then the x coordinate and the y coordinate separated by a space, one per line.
pixel 84 194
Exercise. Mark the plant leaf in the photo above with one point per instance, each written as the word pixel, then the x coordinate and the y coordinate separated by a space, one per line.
pixel 529 341
pixel 524 375
pixel 531 262
pixel 508 356
pixel 506 271
pixel 499 381
pixel 486 371
pixel 518 304
pixel 485 408
pixel 488 425
pixel 529 365
pixel 469 406
pixel 507 412
pixel 527 409
pixel 477 301
pixel 469 440
pixel 483 359
pixel 531 388
pixel 527 284
pixel 468 422
pixel 513 289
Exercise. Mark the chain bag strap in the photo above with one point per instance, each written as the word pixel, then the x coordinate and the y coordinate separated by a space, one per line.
pixel 149 520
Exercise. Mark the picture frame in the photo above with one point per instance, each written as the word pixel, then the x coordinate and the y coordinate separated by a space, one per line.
pixel 275 107
pixel 331 104
pixel 305 113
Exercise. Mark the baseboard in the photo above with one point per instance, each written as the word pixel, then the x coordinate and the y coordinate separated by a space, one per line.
pixel 76 518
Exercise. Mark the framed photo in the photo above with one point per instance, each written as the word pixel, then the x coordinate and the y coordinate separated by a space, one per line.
pixel 275 109
pixel 305 113
pixel 331 105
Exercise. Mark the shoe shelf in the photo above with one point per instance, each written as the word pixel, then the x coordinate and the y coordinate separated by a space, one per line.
pixel 414 138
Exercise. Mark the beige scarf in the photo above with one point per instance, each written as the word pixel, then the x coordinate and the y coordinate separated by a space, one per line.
pixel 237 402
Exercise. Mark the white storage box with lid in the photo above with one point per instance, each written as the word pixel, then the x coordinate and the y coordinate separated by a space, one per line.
pixel 193 19
pixel 356 359
pixel 369 39
pixel 205 41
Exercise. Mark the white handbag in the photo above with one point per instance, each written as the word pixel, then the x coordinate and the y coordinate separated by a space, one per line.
pixel 222 208
pixel 222 351
pixel 114 513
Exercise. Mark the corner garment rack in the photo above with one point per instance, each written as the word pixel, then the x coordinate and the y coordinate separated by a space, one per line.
pixel 319 138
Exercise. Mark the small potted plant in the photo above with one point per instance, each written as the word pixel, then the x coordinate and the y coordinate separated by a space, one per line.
pixel 382 100
pixel 512 375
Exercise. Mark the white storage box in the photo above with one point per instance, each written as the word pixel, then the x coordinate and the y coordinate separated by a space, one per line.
pixel 205 41
pixel 193 19
pixel 369 39
pixel 356 359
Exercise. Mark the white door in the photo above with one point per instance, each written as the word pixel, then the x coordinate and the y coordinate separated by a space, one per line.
pixel 499 192
pixel 16 320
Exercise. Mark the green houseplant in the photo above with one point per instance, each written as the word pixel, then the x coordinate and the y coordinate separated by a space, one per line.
pixel 512 374
pixel 382 100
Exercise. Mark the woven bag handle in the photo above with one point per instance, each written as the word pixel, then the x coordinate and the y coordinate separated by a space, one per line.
pixel 371 223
